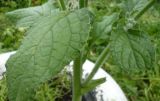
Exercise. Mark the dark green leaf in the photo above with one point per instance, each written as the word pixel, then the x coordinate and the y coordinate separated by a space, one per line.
pixel 27 16
pixel 50 44
pixel 132 50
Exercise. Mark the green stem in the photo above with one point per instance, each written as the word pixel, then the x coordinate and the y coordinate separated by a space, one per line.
pixel 62 4
pixel 29 3
pixel 77 77
pixel 86 3
pixel 101 59
pixel 148 5
pixel 81 3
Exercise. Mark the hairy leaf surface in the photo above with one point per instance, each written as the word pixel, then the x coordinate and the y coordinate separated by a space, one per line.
pixel 27 16
pixel 132 50
pixel 50 45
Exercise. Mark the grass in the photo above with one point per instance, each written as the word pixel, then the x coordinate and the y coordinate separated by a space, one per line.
pixel 53 90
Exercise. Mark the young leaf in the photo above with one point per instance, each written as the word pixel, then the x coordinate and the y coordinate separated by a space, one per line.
pixel 103 28
pixel 27 16
pixel 133 6
pixel 50 45
pixel 132 50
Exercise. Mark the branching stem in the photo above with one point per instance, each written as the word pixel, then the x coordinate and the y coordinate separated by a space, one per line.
pixel 101 59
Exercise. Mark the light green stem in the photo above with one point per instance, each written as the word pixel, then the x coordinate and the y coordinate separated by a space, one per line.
pixel 77 75
pixel 62 4
pixel 29 3
pixel 148 5
pixel 101 59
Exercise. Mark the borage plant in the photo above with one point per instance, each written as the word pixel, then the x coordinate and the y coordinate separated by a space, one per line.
pixel 59 34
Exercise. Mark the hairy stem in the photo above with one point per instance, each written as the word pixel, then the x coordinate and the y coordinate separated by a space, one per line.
pixel 148 5
pixel 62 4
pixel 77 75
pixel 101 59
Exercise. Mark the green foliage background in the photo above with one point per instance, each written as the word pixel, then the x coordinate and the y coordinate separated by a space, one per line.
pixel 143 86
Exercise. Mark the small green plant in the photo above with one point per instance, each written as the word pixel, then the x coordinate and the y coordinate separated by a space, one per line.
pixel 58 35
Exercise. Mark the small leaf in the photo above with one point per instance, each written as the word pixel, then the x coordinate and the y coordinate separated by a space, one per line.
pixel 133 6
pixel 27 16
pixel 103 28
pixel 49 45
pixel 132 50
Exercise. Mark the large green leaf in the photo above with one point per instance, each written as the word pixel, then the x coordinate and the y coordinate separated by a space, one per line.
pixel 50 44
pixel 27 16
pixel 132 50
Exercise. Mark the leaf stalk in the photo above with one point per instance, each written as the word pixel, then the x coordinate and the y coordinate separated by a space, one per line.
pixel 101 59
pixel 62 4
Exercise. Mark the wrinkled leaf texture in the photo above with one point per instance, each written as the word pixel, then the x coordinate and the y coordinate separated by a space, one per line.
pixel 132 50
pixel 50 44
